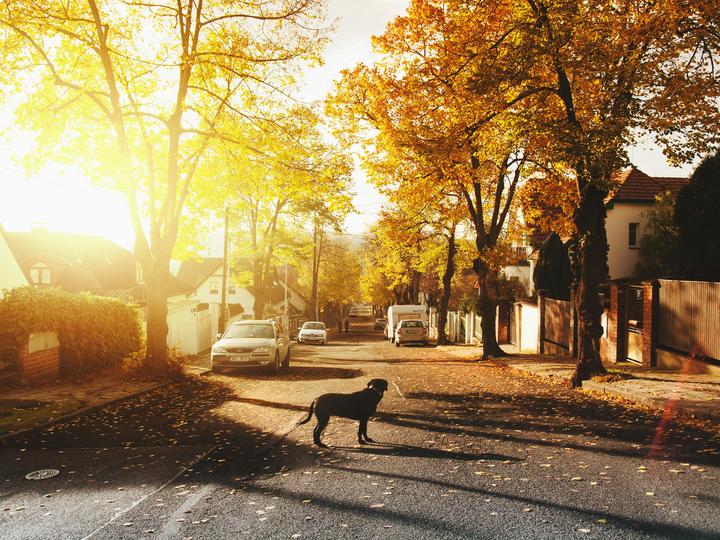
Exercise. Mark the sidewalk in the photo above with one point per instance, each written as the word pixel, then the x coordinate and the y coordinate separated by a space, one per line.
pixel 23 409
pixel 692 394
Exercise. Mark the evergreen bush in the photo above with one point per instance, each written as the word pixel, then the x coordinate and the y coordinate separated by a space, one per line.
pixel 553 272
pixel 94 332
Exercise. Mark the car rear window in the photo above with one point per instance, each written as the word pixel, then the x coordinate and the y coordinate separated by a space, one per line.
pixel 250 331
pixel 412 324
pixel 313 326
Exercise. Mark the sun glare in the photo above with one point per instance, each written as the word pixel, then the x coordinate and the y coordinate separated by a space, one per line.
pixel 62 201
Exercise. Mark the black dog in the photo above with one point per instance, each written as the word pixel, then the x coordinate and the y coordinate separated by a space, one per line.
pixel 356 406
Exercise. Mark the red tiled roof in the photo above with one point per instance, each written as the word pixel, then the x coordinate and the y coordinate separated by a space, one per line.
pixel 636 186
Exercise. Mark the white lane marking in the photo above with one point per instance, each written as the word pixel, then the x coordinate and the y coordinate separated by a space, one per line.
pixel 398 389
pixel 145 497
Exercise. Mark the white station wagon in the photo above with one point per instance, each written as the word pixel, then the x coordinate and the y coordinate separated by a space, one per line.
pixel 313 332
pixel 252 344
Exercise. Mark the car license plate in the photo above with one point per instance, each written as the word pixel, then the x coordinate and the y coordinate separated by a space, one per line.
pixel 239 358
pixel 413 332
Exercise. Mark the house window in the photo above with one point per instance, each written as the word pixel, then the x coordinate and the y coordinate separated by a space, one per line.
pixel 214 286
pixel 40 274
pixel 633 235
pixel 231 288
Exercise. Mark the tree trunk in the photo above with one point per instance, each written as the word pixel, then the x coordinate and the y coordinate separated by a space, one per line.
pixel 447 284
pixel 259 305
pixel 488 295
pixel 157 328
pixel 590 224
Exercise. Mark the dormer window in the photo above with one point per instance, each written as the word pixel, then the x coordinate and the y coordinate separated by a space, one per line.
pixel 40 274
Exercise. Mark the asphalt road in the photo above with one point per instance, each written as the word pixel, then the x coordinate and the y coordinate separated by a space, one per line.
pixel 464 450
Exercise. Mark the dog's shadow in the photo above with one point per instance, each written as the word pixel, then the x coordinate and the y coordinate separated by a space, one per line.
pixel 406 450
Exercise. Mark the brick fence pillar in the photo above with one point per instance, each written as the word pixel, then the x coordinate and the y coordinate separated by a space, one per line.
pixel 651 297
pixel 39 359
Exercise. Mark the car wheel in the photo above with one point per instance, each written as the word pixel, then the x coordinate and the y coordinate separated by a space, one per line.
pixel 286 361
pixel 216 369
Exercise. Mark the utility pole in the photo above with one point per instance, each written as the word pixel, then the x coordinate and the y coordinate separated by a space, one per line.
pixel 287 318
pixel 223 295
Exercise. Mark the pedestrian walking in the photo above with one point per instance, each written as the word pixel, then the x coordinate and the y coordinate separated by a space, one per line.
pixel 347 325
pixel 339 324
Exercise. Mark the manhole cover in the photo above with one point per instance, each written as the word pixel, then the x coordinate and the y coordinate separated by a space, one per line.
pixel 42 474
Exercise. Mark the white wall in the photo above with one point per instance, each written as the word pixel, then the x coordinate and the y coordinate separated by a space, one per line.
pixel 523 273
pixel 182 327
pixel 11 275
pixel 527 314
pixel 621 258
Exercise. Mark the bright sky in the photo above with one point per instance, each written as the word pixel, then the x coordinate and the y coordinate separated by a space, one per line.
pixel 63 200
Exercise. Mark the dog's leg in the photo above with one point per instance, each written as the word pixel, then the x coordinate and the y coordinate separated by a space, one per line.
pixel 362 432
pixel 317 432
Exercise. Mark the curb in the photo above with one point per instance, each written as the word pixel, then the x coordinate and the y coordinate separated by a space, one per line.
pixel 4 439
pixel 678 405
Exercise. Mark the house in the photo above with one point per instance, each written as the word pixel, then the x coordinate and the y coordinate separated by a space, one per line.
pixel 626 222
pixel 194 312
pixel 11 274
pixel 75 263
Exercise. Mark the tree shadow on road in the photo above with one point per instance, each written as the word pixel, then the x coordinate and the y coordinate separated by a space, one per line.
pixel 554 420
pixel 407 450
pixel 296 373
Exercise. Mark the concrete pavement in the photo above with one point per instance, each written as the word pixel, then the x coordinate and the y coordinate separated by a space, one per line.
pixel 692 394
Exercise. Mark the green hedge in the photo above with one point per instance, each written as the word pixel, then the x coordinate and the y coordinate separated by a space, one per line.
pixel 95 332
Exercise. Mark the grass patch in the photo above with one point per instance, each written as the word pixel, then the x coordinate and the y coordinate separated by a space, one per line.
pixel 613 375
pixel 16 415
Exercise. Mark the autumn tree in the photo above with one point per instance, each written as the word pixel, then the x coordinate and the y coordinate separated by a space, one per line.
pixel 584 78
pixel 289 178
pixel 418 103
pixel 593 77
pixel 136 92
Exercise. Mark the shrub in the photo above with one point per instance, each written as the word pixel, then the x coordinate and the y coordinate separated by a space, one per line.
pixel 94 332
pixel 698 222
pixel 553 272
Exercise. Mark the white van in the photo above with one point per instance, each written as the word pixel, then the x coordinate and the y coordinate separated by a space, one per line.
pixel 397 313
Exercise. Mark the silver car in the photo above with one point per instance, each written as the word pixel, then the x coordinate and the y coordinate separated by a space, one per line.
pixel 252 344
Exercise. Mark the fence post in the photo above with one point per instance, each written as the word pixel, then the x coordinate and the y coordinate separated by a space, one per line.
pixel 651 299
pixel 541 321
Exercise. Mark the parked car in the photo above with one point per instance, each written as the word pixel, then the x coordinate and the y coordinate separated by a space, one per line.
pixel 313 332
pixel 411 331
pixel 380 323
pixel 252 343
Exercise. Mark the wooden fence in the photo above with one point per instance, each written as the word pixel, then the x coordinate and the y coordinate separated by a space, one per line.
pixel 689 317
pixel 556 320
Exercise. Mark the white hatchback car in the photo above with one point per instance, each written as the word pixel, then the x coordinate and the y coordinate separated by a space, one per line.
pixel 313 332
pixel 411 331
pixel 252 344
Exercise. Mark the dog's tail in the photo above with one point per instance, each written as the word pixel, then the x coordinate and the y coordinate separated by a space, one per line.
pixel 309 416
